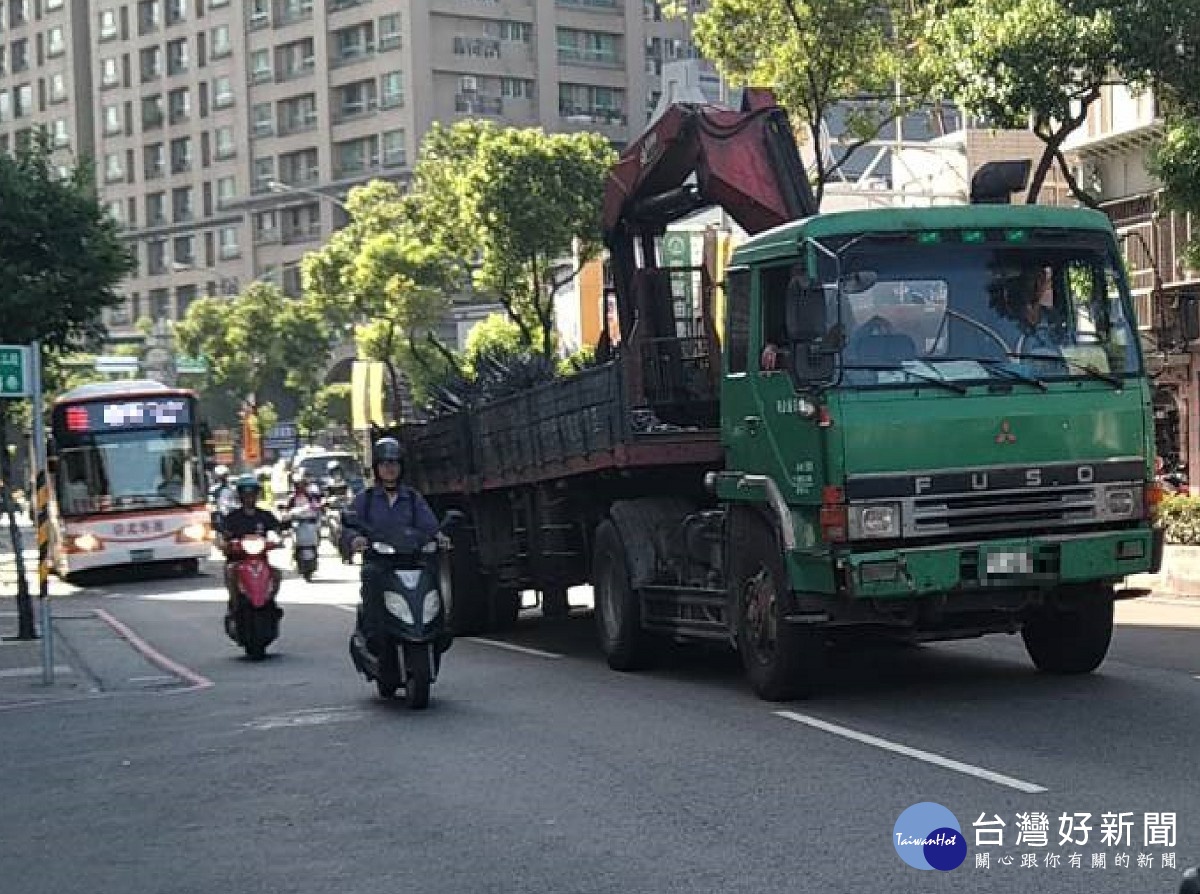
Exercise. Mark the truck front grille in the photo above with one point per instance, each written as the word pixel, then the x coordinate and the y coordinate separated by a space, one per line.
pixel 1016 511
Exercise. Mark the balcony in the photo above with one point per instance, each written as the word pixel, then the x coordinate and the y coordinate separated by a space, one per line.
pixel 292 14
pixel 178 116
pixel 482 47
pixel 152 120
pixel 603 116
pixel 293 72
pixel 303 177
pixel 266 236
pixel 297 123
pixel 580 56
pixel 355 168
pixel 351 110
pixel 353 54
pixel 474 104
pixel 310 232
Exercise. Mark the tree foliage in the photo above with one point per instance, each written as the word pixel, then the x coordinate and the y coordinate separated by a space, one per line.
pixel 257 343
pixel 1019 63
pixel 1176 162
pixel 818 54
pixel 61 256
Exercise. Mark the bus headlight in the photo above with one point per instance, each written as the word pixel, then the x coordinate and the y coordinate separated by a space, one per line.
pixel 874 521
pixel 195 531
pixel 86 543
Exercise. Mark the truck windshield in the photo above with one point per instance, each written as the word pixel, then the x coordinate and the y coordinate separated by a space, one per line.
pixel 1036 312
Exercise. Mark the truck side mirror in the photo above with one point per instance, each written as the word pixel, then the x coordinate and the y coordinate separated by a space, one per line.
pixel 805 307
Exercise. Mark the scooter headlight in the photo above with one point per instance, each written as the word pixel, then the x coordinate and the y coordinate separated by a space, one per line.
pixel 432 606
pixel 253 546
pixel 398 606
pixel 383 549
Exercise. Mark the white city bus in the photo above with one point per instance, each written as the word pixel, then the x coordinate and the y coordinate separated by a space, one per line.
pixel 127 479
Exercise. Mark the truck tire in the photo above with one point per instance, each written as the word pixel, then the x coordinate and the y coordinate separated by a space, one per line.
pixel 618 610
pixel 1070 641
pixel 783 661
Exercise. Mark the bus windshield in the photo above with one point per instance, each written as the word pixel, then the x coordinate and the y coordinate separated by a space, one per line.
pixel 119 471
pixel 959 312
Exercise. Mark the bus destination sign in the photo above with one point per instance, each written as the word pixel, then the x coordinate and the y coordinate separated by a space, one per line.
pixel 126 414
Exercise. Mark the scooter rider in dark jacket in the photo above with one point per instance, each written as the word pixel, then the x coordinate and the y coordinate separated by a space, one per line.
pixel 388 505
pixel 246 520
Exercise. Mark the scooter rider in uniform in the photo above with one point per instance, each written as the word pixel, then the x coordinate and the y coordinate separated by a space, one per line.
pixel 247 519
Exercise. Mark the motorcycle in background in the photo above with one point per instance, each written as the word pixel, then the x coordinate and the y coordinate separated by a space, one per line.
pixel 305 523
pixel 402 626
pixel 254 622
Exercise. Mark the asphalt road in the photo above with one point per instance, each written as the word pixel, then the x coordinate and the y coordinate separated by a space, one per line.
pixel 537 769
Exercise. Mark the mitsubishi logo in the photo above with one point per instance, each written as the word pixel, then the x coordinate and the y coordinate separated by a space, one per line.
pixel 1005 435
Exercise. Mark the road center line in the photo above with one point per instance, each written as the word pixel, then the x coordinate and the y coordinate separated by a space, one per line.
pixel 500 644
pixel 949 763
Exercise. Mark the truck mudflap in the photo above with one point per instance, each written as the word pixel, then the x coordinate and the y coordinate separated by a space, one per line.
pixel 1012 563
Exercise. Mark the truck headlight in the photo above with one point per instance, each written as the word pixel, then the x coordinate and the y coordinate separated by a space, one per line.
pixel 431 606
pixel 875 521
pixel 1122 502
pixel 398 606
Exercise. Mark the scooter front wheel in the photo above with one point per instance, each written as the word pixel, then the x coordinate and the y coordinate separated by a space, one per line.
pixel 416 687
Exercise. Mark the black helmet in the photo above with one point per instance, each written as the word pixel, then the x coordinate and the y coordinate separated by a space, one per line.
pixel 387 449
pixel 248 484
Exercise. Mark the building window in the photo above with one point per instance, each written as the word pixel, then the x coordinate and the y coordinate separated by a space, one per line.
pixel 149 16
pixel 59 133
pixel 114 169
pixel 56 45
pixel 110 72
pixel 185 252
pixel 516 88
pixel 260 66
pixel 222 92
pixel 182 208
pixel 395 149
pixel 150 62
pixel 389 32
pixel 156 209
pixel 23 101
pixel 225 147
pixel 226 191
pixel 392 89
pixel 52 5
pixel 19 56
pixel 108 24
pixel 58 87
pixel 177 56
pixel 115 210
pixel 518 32
pixel 184 296
pixel 227 239
pixel 263 119
pixel 154 161
pixel 260 13
pixel 356 99
pixel 179 103
pixel 221 45
pixel 176 11
pixel 112 119
pixel 160 299
pixel 152 112
pixel 264 173
pixel 181 155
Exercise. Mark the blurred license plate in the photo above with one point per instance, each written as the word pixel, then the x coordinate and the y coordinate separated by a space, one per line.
pixel 1015 562
pixel 141 555
pixel 307 553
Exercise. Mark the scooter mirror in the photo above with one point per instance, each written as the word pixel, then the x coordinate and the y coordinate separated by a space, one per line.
pixel 451 518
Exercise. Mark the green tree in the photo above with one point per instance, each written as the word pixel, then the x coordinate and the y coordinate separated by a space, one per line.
pixel 257 344
pixel 817 54
pixel 61 261
pixel 1176 162
pixel 1021 63
pixel 382 275
pixel 496 334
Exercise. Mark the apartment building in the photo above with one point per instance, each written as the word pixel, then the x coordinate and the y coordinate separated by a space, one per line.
pixel 45 79
pixel 226 133
pixel 1110 155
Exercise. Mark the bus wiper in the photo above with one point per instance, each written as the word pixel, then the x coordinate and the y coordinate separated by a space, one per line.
pixel 1075 364
pixel 924 377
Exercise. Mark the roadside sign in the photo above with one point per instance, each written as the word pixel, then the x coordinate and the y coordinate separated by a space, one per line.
pixel 116 364
pixel 15 377
pixel 283 437
pixel 194 366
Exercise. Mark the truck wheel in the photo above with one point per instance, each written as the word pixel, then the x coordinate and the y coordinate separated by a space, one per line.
pixel 1070 641
pixel 783 661
pixel 618 609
